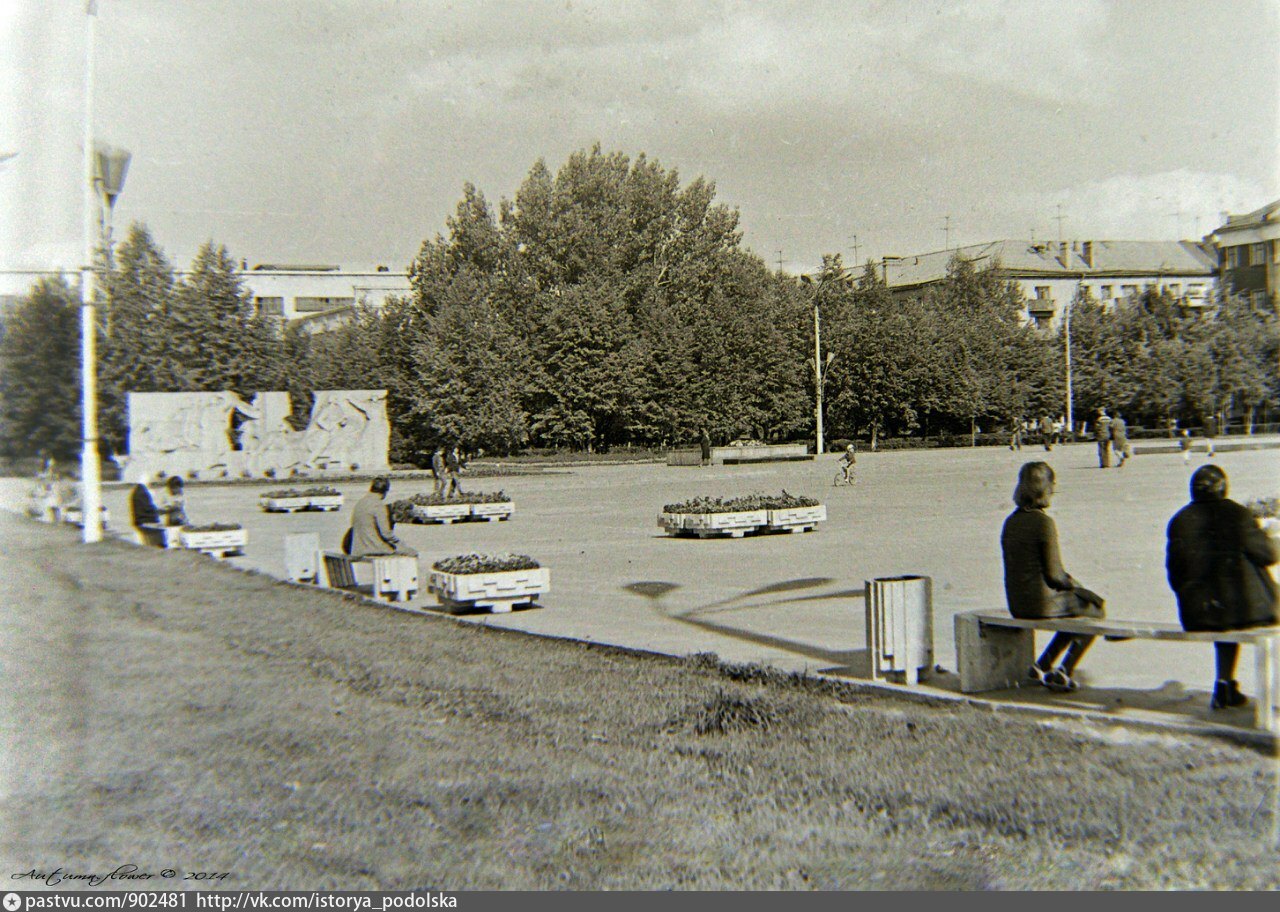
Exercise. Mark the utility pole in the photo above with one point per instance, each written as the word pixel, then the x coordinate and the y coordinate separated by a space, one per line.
pixel 855 248
pixel 946 232
pixel 779 262
pixel 1059 217
pixel 90 468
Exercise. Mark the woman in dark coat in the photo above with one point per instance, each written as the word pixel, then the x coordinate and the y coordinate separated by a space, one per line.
pixel 1216 561
pixel 1036 585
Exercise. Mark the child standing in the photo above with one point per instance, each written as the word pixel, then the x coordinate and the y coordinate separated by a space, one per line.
pixel 1184 444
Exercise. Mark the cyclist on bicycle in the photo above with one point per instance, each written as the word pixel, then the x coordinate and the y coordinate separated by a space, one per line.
pixel 847 463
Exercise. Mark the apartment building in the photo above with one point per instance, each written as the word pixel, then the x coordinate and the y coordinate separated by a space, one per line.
pixel 1051 273
pixel 1248 249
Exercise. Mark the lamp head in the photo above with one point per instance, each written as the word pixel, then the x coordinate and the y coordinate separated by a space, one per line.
pixel 110 165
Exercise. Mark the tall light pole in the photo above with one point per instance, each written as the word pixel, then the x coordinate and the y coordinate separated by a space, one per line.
pixel 819 366
pixel 90 470
pixel 104 173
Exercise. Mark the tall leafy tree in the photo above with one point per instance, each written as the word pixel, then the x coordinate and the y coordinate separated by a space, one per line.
pixel 39 373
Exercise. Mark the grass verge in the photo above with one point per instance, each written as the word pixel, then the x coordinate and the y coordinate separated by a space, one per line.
pixel 170 712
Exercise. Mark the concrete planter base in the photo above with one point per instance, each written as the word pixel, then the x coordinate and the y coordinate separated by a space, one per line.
pixel 499 592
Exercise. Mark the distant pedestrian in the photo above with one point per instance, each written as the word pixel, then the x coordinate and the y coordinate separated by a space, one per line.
pixel 1059 424
pixel 1184 444
pixel 1210 432
pixel 1102 435
pixel 175 505
pixel 1120 440
pixel 1036 585
pixel 453 466
pixel 704 443
pixel 438 469
pixel 1015 434
pixel 1046 432
pixel 1217 559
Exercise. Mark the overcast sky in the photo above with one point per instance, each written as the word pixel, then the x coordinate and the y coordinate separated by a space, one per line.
pixel 342 131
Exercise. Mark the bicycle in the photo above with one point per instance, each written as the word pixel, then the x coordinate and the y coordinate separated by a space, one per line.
pixel 846 475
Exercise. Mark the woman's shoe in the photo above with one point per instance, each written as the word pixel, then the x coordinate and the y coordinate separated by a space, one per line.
pixel 1227 695
pixel 1060 682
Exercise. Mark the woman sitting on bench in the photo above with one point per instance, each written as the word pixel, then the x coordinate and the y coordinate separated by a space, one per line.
pixel 1035 583
pixel 1216 561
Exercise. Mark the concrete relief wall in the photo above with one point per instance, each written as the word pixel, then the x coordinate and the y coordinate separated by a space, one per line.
pixel 219 435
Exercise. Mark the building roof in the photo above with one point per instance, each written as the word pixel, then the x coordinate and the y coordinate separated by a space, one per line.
pixel 1258 217
pixel 1049 259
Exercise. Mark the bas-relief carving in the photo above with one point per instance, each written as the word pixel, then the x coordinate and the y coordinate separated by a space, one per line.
pixel 219 435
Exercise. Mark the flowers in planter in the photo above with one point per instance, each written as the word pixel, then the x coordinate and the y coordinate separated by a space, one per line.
pixel 747 503
pixel 402 510
pixel 214 527
pixel 485 563
pixel 288 493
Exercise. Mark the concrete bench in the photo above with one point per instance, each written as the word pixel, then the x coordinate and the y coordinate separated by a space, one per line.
pixel 393 577
pixel 994 651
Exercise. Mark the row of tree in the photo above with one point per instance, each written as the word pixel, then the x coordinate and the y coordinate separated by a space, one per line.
pixel 607 305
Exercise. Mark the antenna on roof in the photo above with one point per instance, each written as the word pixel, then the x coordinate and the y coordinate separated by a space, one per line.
pixel 1059 218
pixel 946 232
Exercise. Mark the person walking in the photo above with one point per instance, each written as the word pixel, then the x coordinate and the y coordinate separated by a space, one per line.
pixel 1216 561
pixel 1015 434
pixel 372 531
pixel 175 505
pixel 704 443
pixel 1184 444
pixel 452 469
pixel 438 469
pixel 1036 585
pixel 1119 433
pixel 1046 433
pixel 1102 435
pixel 1210 432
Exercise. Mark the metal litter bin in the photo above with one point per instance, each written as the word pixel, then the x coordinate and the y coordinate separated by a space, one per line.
pixel 900 627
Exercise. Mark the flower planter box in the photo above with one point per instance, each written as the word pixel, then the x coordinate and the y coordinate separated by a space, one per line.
pixel 219 544
pixel 673 523
pixel 441 513
pixel 797 519
pixel 499 592
pixel 735 525
pixel 285 504
pixel 493 512
pixel 325 503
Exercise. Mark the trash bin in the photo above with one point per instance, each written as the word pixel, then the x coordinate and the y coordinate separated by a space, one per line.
pixel 301 550
pixel 900 627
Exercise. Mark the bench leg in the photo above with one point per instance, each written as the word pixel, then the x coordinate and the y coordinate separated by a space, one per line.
pixel 992 658
pixel 1267 656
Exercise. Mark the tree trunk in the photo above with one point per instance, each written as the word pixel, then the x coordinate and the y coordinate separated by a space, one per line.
pixel 1248 420
pixel 973 432
pixel 875 429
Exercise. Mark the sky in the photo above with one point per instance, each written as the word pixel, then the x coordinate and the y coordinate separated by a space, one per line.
pixel 342 131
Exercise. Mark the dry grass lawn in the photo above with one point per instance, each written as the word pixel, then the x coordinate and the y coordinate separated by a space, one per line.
pixel 163 710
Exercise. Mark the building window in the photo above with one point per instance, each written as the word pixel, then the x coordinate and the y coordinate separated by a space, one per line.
pixel 1233 257
pixel 273 307
pixel 1259 300
pixel 312 305
pixel 1175 288
pixel 1258 254
pixel 1127 290
pixel 1043 291
pixel 1106 293
pixel 1042 321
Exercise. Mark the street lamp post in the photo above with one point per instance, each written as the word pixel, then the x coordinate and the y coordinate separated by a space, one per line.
pixel 819 365
pixel 104 173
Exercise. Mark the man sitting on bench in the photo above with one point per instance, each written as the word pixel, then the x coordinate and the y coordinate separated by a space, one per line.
pixel 1035 583
pixel 372 532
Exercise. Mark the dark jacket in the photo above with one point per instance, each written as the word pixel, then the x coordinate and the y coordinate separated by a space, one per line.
pixel 1216 561
pixel 142 506
pixel 1034 578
